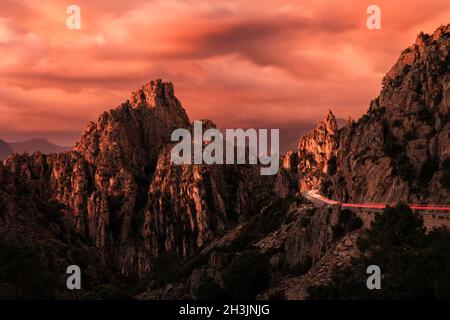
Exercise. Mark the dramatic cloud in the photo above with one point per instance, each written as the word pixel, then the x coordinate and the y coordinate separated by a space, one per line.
pixel 241 63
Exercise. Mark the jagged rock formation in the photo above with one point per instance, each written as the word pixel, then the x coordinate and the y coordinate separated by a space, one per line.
pixel 314 150
pixel 299 239
pixel 397 151
pixel 37 244
pixel 103 182
pixel 339 254
pixel 119 188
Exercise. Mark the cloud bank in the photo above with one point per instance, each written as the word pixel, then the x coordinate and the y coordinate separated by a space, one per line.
pixel 241 63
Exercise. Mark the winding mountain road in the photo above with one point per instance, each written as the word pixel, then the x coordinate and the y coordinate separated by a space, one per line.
pixel 315 197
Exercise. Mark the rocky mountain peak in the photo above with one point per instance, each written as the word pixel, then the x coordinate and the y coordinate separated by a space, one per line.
pixel 159 96
pixel 424 39
pixel 418 82
pixel 441 31
pixel 155 94
pixel 397 151
pixel 329 124
pixel 321 136
pixel 314 150
pixel 139 128
pixel 151 94
pixel 428 54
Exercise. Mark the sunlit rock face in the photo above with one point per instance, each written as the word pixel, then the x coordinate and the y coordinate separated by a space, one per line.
pixel 397 150
pixel 314 150
pixel 120 188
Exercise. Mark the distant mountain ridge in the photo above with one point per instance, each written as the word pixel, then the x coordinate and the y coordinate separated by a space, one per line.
pixel 30 146
pixel 5 149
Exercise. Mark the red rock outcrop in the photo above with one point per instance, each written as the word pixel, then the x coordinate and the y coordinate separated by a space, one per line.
pixel 314 150
pixel 396 151
pixel 120 189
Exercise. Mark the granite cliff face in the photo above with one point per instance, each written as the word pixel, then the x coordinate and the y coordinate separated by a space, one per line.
pixel 398 150
pixel 310 160
pixel 119 189
pixel 103 182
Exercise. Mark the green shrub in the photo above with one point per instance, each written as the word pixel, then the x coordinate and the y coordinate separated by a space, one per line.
pixel 414 263
pixel 396 226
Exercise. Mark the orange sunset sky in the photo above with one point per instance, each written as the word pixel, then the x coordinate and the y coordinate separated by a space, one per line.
pixel 272 64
